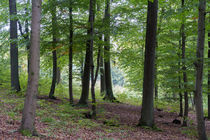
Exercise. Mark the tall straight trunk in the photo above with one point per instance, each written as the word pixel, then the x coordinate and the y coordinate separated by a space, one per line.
pixel 107 66
pixel 199 71
pixel 27 35
pixel 179 84
pixel 102 75
pixel 91 22
pixel 183 38
pixel 70 53
pixel 58 78
pixel 147 111
pixel 209 76
pixel 15 85
pixel 156 58
pixel 28 117
pixel 54 52
pixel 86 73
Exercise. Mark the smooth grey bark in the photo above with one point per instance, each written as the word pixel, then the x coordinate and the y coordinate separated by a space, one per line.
pixel 147 111
pixel 15 84
pixel 71 100
pixel 183 43
pixel 54 52
pixel 199 72
pixel 28 116
pixel 107 66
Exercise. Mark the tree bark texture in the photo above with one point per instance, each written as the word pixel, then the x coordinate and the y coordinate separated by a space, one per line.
pixel 28 117
pixel 199 71
pixel 15 84
pixel 147 112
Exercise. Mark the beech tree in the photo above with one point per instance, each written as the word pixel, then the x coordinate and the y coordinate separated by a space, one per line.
pixel 71 33
pixel 183 44
pixel 13 46
pixel 147 111
pixel 107 66
pixel 54 52
pixel 28 116
pixel 199 71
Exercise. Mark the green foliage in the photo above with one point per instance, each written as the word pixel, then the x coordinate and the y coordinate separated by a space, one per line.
pixel 26 133
pixel 48 120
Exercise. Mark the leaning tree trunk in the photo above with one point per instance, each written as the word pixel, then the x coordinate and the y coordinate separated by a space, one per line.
pixel 107 66
pixel 147 111
pixel 71 100
pixel 199 71
pixel 183 42
pixel 54 52
pixel 28 117
pixel 15 85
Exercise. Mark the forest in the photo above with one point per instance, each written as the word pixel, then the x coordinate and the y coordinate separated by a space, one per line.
pixel 105 69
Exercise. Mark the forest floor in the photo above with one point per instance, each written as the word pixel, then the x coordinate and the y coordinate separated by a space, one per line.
pixel 56 119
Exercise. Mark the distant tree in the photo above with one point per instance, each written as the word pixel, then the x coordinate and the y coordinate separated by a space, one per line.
pixel 199 71
pixel 183 44
pixel 54 52
pixel 13 46
pixel 147 111
pixel 28 116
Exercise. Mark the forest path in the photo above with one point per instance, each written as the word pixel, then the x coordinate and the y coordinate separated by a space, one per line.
pixel 56 119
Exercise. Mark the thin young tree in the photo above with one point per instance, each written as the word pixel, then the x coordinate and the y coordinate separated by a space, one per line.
pixel 28 116
pixel 147 111
pixel 209 74
pixel 199 71
pixel 70 53
pixel 15 84
pixel 54 52
pixel 183 44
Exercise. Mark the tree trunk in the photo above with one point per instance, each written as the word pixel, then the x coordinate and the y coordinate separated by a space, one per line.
pixel 86 75
pixel 199 71
pixel 54 52
pixel 209 76
pixel 147 112
pixel 102 75
pixel 58 78
pixel 70 53
pixel 28 117
pixel 107 66
pixel 91 21
pixel 180 98
pixel 27 34
pixel 183 36
pixel 15 85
